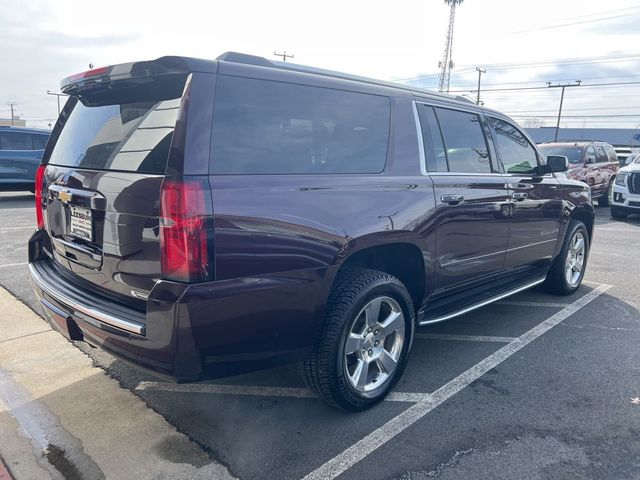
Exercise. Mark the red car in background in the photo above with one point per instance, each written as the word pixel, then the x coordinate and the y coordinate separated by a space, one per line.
pixel 591 162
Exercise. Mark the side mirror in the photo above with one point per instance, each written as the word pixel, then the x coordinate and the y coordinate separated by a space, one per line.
pixel 557 163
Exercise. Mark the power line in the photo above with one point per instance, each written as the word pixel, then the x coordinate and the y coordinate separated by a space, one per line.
pixel 582 116
pixel 543 63
pixel 570 24
pixel 518 89
pixel 529 82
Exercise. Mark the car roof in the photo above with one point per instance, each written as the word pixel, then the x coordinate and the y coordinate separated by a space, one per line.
pixel 24 130
pixel 241 58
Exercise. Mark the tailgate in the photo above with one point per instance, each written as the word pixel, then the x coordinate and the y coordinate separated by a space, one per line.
pixel 102 187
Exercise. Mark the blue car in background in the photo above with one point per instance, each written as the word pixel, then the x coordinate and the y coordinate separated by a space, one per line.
pixel 21 151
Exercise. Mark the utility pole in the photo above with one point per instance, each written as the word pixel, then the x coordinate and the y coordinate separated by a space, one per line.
pixel 480 72
pixel 446 64
pixel 283 55
pixel 11 105
pixel 49 92
pixel 562 86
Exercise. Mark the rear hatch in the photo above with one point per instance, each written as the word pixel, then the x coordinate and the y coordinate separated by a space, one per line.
pixel 105 167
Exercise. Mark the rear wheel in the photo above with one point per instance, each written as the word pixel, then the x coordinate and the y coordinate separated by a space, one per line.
pixel 365 340
pixel 567 271
pixel 618 213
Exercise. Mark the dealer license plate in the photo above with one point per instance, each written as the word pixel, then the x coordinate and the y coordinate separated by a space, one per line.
pixel 81 224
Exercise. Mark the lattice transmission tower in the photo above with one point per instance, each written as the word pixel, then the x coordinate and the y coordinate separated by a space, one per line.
pixel 446 64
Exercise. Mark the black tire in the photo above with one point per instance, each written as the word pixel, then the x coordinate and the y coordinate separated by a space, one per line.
pixel 556 282
pixel 324 370
pixel 618 213
pixel 603 201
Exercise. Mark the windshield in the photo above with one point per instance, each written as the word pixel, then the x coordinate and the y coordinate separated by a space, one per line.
pixel 574 154
pixel 133 137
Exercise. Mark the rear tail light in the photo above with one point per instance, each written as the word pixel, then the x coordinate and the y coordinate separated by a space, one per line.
pixel 38 192
pixel 186 229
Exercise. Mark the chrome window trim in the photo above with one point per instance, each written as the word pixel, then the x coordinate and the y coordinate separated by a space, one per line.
pixel 423 157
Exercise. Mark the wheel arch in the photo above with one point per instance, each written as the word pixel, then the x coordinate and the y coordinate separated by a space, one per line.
pixel 399 257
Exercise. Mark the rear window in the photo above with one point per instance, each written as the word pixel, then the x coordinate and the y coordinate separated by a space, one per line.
pixel 132 137
pixel 574 154
pixel 265 127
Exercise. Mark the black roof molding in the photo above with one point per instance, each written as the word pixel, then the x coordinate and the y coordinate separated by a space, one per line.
pixel 263 62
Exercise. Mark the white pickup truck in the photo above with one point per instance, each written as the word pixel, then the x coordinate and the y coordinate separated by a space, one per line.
pixel 626 189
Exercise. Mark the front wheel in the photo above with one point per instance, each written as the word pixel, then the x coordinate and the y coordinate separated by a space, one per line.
pixel 618 213
pixel 364 342
pixel 567 271
pixel 605 200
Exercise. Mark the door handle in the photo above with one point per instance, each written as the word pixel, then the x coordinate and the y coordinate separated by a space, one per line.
pixel 519 196
pixel 452 199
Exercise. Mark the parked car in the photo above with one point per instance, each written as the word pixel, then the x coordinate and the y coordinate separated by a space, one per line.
pixel 21 151
pixel 594 163
pixel 304 215
pixel 626 189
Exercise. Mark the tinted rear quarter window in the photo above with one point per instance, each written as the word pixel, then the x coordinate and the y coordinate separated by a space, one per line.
pixel 432 138
pixel 15 141
pixel 266 127
pixel 39 141
pixel 464 140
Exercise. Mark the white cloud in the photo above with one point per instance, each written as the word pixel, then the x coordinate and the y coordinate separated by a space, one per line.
pixel 46 41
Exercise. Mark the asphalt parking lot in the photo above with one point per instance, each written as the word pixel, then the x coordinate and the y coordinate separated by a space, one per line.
pixel 535 386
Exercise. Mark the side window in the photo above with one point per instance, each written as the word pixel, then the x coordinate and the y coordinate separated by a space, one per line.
pixel 591 155
pixel 15 141
pixel 464 140
pixel 265 127
pixel 39 141
pixel 601 155
pixel 433 146
pixel 611 153
pixel 514 150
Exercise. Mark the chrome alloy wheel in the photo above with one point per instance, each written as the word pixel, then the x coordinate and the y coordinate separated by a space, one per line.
pixel 574 263
pixel 374 344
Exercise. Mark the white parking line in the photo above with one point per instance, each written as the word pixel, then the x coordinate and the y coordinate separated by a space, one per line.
pixel 533 304
pixel 393 427
pixel 292 392
pixel 464 338
pixel 30 227
pixel 7 265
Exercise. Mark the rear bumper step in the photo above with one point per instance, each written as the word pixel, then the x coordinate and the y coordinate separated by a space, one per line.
pixel 120 317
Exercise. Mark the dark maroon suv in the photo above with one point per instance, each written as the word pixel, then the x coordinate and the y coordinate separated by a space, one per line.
pixel 198 217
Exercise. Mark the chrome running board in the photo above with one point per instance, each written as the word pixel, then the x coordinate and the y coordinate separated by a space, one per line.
pixel 475 306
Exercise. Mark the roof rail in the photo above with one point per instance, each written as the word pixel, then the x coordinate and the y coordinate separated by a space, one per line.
pixel 263 62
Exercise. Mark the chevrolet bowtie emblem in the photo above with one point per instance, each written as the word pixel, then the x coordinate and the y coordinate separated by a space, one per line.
pixel 64 197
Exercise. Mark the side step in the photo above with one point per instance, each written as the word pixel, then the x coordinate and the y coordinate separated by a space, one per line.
pixel 425 319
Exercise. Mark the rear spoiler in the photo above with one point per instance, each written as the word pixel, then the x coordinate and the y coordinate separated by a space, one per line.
pixel 99 80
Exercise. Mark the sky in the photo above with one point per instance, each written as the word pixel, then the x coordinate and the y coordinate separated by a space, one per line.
pixel 522 45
